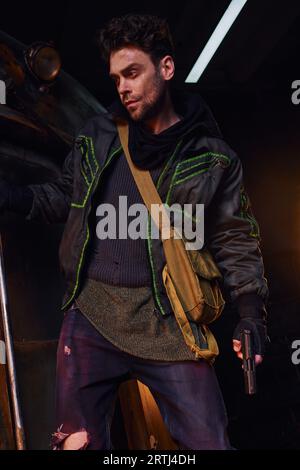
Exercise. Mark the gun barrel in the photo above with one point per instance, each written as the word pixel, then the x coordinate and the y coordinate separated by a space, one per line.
pixel 248 362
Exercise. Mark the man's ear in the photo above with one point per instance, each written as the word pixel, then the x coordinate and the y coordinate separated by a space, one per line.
pixel 167 67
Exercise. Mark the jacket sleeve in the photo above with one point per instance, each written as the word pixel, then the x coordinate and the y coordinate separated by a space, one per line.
pixel 51 201
pixel 234 239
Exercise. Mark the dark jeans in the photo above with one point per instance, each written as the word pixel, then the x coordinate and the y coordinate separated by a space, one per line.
pixel 90 370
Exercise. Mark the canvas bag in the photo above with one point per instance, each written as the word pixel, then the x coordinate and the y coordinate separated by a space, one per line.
pixel 190 277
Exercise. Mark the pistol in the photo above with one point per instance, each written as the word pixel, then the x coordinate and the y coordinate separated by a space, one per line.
pixel 248 362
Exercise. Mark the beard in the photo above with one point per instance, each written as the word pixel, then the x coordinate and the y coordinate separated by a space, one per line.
pixel 152 105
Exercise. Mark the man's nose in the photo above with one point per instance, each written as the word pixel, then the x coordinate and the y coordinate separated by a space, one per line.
pixel 123 87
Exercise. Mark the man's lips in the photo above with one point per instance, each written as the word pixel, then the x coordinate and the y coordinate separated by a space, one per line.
pixel 129 103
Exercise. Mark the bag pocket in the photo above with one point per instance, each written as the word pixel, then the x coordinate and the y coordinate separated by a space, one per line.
pixel 207 349
pixel 195 278
pixel 208 276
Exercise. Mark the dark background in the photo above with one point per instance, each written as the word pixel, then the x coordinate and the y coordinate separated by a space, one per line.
pixel 248 86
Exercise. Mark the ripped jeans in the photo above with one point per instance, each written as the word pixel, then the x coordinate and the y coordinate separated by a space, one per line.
pixel 90 370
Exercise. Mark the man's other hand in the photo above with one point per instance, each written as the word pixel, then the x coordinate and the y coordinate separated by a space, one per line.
pixel 237 347
pixel 257 326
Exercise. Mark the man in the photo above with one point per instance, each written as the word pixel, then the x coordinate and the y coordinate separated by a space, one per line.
pixel 118 321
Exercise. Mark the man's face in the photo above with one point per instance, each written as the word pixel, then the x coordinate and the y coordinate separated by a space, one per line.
pixel 141 85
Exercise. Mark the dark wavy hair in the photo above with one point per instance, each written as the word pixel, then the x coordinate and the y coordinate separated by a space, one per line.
pixel 149 33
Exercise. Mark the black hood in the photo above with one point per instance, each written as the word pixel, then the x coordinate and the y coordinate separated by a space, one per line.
pixel 150 150
pixel 196 114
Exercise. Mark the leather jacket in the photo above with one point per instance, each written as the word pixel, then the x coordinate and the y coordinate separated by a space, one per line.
pixel 203 169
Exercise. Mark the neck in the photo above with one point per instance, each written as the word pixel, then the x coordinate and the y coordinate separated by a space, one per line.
pixel 165 118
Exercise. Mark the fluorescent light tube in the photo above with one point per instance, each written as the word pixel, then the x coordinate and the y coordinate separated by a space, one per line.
pixel 215 40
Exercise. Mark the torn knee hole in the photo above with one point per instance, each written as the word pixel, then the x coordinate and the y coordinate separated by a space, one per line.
pixel 76 441
pixel 70 441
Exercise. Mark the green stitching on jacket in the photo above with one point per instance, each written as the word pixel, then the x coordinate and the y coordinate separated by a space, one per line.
pixel 78 268
pixel 106 163
pixel 87 155
pixel 156 293
pixel 91 145
pixel 203 155
pixel 89 149
pixel 81 167
pixel 191 167
pixel 191 175
pixel 84 175
pixel 89 165
pixel 246 213
pixel 178 171
pixel 171 186
pixel 212 158
pixel 168 165
pixel 80 206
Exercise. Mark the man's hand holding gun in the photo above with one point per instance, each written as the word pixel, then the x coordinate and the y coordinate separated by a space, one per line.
pixel 250 337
